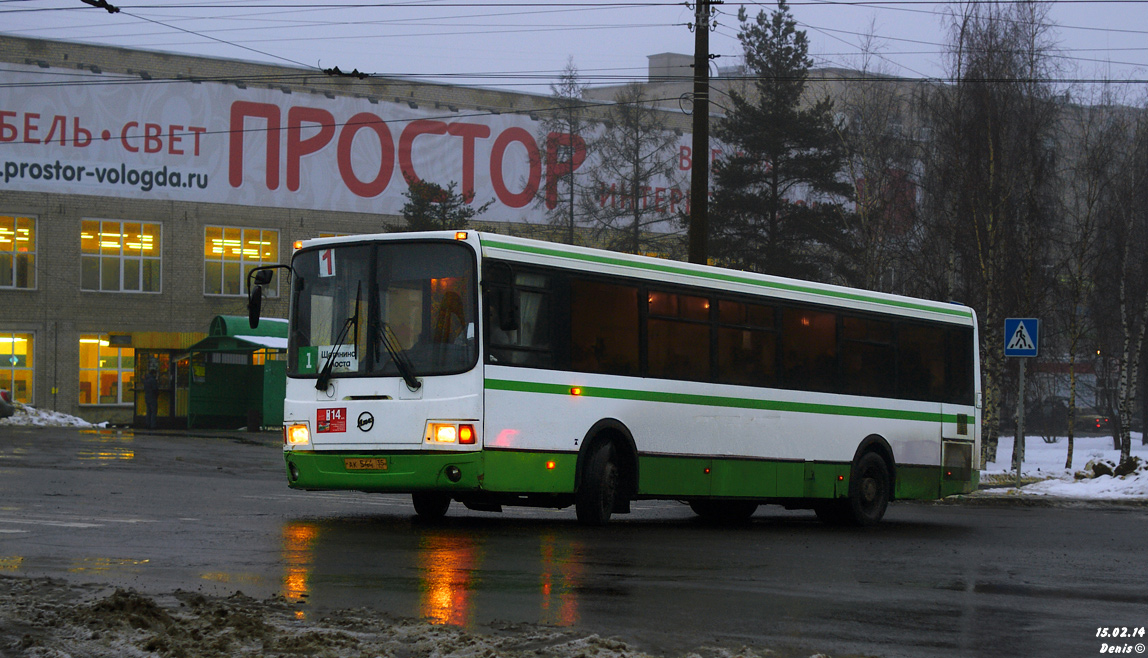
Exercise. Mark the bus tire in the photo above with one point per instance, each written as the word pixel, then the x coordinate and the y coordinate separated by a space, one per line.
pixel 869 490
pixel 431 505
pixel 594 501
pixel 724 511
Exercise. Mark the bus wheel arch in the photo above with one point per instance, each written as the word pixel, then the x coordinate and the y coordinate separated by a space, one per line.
pixel 877 444
pixel 609 444
pixel 872 481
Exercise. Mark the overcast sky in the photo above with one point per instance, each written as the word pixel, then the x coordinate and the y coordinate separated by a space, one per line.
pixel 523 45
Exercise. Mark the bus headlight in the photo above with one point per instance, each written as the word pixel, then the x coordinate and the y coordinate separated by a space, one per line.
pixel 444 433
pixel 297 435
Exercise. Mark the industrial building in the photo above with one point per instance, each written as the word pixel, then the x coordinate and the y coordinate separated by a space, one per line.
pixel 137 188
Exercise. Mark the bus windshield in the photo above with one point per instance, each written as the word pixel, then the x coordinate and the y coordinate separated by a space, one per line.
pixel 420 297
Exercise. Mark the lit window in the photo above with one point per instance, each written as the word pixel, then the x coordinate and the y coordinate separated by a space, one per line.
pixel 17 252
pixel 16 365
pixel 230 253
pixel 106 371
pixel 120 256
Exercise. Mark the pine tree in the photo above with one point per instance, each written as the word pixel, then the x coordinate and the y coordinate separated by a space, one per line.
pixel 777 204
pixel 432 207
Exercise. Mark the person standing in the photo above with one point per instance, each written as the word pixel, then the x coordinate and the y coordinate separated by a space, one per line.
pixel 151 396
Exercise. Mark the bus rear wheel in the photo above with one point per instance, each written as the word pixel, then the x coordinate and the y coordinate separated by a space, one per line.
pixel 431 505
pixel 870 491
pixel 598 491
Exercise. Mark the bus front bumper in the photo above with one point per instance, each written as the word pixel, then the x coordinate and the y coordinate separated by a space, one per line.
pixel 384 472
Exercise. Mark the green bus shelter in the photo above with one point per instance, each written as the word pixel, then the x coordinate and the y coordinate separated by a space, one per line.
pixel 238 375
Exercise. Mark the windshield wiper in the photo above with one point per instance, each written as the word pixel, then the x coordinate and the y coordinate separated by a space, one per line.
pixel 324 379
pixel 391 342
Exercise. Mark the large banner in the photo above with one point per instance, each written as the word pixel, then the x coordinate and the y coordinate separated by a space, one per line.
pixel 74 132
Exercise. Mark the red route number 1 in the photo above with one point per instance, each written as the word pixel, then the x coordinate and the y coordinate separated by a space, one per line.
pixel 327 262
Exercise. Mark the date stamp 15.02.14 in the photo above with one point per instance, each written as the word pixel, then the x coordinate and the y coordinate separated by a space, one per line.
pixel 1124 639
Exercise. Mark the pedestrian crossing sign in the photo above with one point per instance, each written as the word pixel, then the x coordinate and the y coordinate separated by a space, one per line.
pixel 1022 336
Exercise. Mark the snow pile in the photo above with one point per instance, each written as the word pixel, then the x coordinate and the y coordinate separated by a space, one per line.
pixel 1095 474
pixel 29 416
pixel 45 618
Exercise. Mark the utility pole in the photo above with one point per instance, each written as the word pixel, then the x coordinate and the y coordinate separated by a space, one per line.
pixel 700 175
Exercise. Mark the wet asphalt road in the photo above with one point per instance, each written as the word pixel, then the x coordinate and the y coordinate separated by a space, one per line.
pixel 159 512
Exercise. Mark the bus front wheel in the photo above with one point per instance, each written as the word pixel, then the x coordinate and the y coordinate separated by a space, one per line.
pixel 431 505
pixel 595 498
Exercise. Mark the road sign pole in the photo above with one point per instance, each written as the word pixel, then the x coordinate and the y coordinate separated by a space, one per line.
pixel 1022 339
pixel 1019 447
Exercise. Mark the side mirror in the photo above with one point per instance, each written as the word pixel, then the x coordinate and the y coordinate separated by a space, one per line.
pixel 256 279
pixel 254 304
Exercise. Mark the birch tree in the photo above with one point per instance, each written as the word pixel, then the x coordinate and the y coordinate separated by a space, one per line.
pixel 1126 272
pixel 987 169
pixel 1088 180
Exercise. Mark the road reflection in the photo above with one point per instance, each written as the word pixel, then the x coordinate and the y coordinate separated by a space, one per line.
pixel 109 445
pixel 298 560
pixel 560 579
pixel 447 563
pixel 441 574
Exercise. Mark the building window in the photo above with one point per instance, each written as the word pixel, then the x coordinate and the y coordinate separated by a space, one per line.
pixel 106 371
pixel 230 253
pixel 120 256
pixel 16 366
pixel 17 252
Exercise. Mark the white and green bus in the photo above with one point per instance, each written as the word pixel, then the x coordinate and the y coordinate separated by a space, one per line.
pixel 491 370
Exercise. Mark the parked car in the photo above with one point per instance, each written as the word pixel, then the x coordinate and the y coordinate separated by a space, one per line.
pixel 1091 420
pixel 1050 417
pixel 6 406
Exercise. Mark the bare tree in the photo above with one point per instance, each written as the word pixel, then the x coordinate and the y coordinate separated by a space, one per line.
pixel 1088 180
pixel 1125 239
pixel 632 194
pixel 880 165
pixel 988 170
pixel 562 137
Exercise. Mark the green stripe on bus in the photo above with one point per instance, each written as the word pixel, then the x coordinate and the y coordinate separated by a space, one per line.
pixel 728 278
pixel 719 401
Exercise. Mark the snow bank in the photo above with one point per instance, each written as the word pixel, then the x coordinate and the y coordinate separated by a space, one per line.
pixel 43 618
pixel 1046 462
pixel 29 416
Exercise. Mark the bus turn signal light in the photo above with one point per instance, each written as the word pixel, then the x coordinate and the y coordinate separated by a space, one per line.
pixel 460 235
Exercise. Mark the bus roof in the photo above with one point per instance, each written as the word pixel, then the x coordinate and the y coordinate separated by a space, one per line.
pixel 588 259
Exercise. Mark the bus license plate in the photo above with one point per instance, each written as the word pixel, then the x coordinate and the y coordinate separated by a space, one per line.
pixel 365 464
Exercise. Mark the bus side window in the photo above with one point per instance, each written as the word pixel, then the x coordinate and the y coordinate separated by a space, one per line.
pixel 746 344
pixel 921 363
pixel 678 334
pixel 603 328
pixel 532 343
pixel 867 357
pixel 959 366
pixel 809 354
